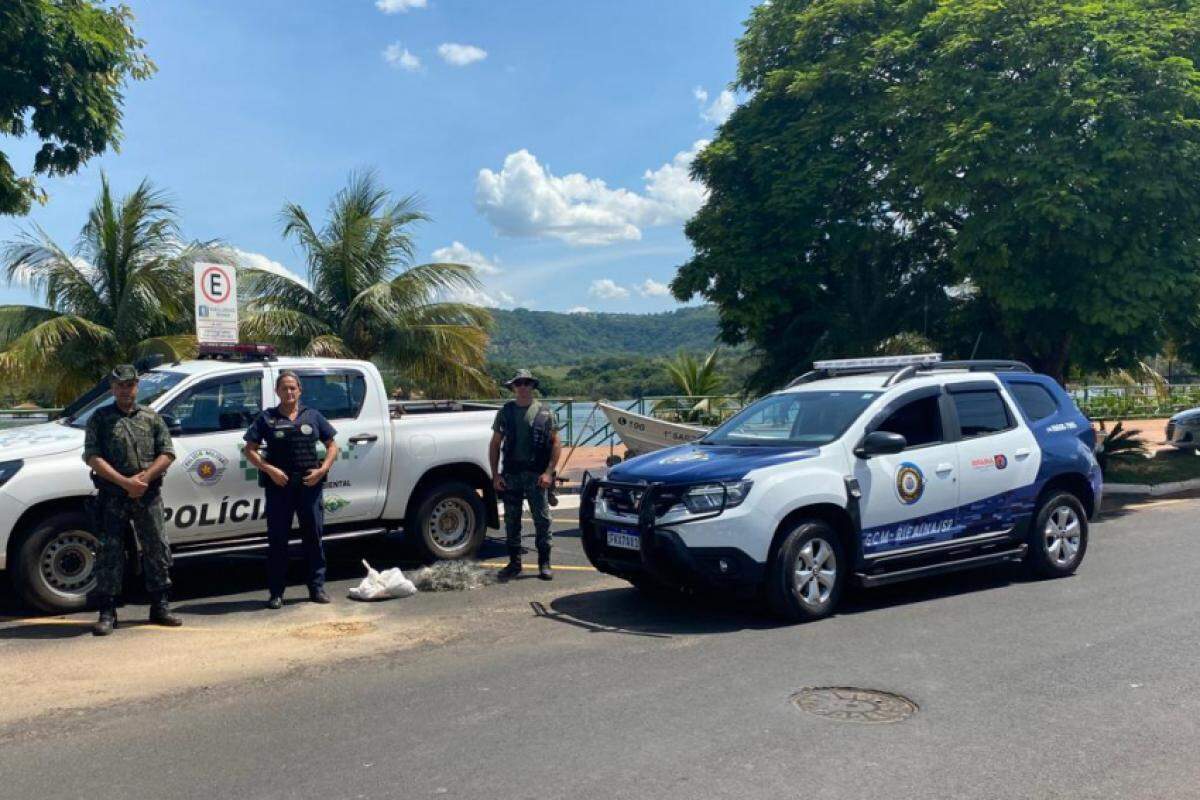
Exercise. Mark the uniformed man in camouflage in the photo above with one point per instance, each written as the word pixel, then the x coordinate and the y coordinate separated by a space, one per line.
pixel 128 449
pixel 525 434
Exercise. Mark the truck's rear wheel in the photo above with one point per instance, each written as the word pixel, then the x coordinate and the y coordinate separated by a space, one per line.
pixel 56 562
pixel 450 522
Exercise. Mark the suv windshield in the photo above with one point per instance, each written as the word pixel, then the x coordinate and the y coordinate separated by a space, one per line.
pixel 795 419
pixel 151 386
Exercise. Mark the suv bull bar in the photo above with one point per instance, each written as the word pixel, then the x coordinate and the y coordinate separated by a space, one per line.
pixel 661 552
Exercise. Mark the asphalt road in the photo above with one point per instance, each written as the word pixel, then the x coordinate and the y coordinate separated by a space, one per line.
pixel 1079 688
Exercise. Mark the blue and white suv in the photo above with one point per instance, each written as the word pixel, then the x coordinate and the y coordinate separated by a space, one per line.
pixel 872 470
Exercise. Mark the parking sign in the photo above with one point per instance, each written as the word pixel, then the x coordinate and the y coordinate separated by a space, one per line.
pixel 216 304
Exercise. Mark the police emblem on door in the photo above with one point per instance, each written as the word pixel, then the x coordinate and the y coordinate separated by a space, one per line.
pixel 910 483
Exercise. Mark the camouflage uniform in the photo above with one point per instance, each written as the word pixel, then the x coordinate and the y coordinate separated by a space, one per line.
pixel 526 455
pixel 129 443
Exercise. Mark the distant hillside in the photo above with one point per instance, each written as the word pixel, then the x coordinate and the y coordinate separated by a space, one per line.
pixel 549 338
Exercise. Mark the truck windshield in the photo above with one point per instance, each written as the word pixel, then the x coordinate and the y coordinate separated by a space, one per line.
pixel 794 419
pixel 151 386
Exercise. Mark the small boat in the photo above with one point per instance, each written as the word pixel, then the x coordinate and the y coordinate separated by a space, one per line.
pixel 643 434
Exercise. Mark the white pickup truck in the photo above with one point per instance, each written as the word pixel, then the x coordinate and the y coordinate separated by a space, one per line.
pixel 418 467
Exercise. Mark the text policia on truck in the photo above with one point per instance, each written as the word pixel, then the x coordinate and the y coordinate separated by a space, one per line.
pixel 418 466
pixel 867 470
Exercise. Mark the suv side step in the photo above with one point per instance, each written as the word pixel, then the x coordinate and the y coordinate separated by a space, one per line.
pixel 260 543
pixel 1015 554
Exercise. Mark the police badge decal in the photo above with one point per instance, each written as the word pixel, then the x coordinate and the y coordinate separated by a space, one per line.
pixel 910 483
pixel 205 467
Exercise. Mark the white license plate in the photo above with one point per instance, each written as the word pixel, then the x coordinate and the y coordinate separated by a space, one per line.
pixel 625 539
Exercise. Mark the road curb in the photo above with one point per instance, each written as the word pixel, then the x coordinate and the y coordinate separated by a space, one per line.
pixel 1152 489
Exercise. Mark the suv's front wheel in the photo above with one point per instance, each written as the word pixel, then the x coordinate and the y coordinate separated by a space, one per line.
pixel 1058 537
pixel 804 580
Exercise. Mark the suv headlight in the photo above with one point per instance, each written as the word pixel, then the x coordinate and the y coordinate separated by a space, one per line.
pixel 8 469
pixel 707 497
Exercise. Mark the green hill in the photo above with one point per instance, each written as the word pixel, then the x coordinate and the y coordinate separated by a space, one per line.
pixel 550 338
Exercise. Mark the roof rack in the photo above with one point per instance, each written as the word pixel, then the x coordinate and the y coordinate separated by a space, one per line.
pixel 903 367
pixel 970 365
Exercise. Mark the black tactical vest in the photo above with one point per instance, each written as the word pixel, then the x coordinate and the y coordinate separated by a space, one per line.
pixel 291 446
pixel 542 437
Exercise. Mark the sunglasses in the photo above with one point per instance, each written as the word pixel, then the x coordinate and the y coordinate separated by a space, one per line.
pixel 522 383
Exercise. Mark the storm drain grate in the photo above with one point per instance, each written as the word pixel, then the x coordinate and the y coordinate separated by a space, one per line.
pixel 851 704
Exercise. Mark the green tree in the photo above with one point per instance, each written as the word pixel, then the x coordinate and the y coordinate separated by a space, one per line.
pixel 698 381
pixel 63 67
pixel 125 292
pixel 363 300
pixel 1044 151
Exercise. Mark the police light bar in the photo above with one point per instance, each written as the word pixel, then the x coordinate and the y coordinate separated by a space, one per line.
pixel 880 362
pixel 245 352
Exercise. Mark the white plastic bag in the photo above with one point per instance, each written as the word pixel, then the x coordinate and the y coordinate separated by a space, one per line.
pixel 382 585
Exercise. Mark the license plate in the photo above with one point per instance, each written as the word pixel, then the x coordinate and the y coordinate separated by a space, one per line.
pixel 623 538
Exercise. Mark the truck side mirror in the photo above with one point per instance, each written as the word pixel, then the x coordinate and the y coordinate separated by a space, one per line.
pixel 880 443
pixel 173 426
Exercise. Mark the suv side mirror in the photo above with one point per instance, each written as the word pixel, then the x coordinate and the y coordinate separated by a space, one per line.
pixel 880 443
pixel 173 426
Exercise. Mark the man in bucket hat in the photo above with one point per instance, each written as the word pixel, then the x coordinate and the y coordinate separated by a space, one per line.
pixel 524 432
pixel 128 448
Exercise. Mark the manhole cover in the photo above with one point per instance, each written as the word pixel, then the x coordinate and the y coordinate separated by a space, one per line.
pixel 849 704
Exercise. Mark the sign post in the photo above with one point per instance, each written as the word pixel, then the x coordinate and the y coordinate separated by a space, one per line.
pixel 216 304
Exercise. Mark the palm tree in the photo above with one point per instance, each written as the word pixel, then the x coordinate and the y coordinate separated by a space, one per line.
pixel 698 382
pixel 124 293
pixel 364 300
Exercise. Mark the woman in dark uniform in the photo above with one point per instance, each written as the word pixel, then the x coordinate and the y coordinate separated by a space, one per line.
pixel 292 476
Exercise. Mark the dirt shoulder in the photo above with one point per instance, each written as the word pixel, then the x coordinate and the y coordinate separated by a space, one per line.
pixel 54 667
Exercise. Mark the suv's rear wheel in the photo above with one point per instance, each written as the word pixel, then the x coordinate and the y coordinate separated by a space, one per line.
pixel 56 563
pixel 804 580
pixel 450 522
pixel 1058 537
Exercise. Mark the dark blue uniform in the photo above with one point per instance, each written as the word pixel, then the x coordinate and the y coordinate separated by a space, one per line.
pixel 292 447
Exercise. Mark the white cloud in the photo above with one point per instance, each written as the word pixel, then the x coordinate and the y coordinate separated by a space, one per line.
pixel 525 199
pixel 492 298
pixel 720 109
pixel 398 57
pixel 459 253
pixel 250 260
pixel 460 55
pixel 579 310
pixel 652 288
pixel 398 6
pixel 606 289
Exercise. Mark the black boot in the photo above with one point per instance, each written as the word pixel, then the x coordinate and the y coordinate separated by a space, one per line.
pixel 160 612
pixel 108 620
pixel 514 566
pixel 544 571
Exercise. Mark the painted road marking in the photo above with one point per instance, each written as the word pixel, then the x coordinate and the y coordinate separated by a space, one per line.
pixel 503 564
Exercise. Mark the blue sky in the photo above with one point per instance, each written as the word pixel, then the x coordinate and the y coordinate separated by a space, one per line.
pixel 548 140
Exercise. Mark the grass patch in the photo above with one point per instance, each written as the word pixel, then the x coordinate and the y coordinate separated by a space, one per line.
pixel 1167 466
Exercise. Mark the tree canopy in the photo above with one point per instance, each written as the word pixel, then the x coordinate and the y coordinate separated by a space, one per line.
pixel 125 291
pixel 365 299
pixel 1018 172
pixel 63 67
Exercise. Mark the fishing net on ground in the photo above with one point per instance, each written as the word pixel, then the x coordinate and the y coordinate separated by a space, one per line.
pixel 451 576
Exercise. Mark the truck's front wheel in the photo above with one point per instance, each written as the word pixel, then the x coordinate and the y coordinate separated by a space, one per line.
pixel 56 563
pixel 450 522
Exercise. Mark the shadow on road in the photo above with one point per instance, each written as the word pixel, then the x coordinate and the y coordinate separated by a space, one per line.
pixel 46 630
pixel 662 615
pixel 634 612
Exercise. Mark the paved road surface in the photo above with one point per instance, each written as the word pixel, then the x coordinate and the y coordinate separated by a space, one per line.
pixel 1079 688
